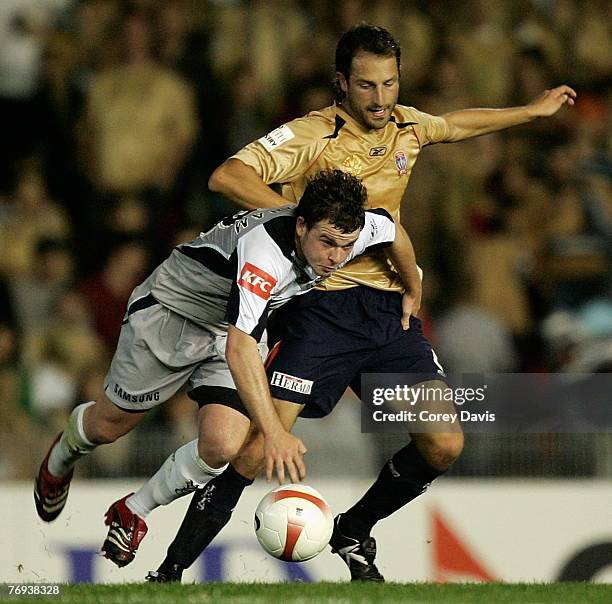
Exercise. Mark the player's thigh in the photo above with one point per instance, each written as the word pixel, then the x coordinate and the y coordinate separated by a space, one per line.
pixel 434 410
pixel 313 376
pixel 406 352
pixel 156 354
pixel 212 383
pixel 288 412
pixel 223 419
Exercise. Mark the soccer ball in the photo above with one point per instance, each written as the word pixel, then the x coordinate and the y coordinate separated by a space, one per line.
pixel 293 523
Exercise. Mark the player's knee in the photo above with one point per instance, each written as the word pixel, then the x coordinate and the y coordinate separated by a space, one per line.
pixel 441 450
pixel 217 451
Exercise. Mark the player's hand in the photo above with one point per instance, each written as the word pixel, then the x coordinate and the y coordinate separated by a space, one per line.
pixel 411 303
pixel 283 449
pixel 550 101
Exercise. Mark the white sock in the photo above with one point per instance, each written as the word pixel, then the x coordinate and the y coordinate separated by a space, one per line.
pixel 73 444
pixel 183 472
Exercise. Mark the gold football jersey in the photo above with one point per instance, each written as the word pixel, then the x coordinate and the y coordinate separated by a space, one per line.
pixel 332 139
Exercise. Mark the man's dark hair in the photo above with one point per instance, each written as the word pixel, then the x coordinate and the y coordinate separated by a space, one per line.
pixel 336 196
pixel 363 37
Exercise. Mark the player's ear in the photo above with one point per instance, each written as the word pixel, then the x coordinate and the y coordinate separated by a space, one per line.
pixel 300 226
pixel 342 82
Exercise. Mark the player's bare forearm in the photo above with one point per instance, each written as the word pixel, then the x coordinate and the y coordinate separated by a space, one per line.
pixel 468 123
pixel 250 378
pixel 242 184
pixel 401 253
pixel 280 447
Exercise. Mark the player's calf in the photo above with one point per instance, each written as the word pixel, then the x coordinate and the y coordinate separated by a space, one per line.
pixel 209 511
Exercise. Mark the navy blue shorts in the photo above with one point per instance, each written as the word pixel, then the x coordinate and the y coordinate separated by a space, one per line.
pixel 328 339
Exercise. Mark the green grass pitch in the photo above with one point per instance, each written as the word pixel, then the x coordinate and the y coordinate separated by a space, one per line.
pixel 325 593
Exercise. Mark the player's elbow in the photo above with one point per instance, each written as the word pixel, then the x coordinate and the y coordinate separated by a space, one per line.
pixel 456 129
pixel 457 134
pixel 234 346
pixel 221 179
pixel 216 179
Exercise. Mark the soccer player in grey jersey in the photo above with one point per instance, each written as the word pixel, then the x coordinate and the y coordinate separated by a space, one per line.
pixel 199 319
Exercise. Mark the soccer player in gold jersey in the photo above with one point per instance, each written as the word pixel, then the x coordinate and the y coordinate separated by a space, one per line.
pixel 351 325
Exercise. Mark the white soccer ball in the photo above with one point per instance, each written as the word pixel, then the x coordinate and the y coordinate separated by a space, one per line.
pixel 293 523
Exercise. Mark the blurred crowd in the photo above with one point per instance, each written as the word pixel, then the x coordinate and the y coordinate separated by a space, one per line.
pixel 113 114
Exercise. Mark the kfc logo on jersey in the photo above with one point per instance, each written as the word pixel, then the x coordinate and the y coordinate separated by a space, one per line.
pixel 256 281
pixel 401 162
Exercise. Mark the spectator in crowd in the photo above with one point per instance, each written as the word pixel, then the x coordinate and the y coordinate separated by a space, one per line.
pixel 21 46
pixel 107 291
pixel 462 330
pixel 36 292
pixel 140 122
pixel 17 431
pixel 28 216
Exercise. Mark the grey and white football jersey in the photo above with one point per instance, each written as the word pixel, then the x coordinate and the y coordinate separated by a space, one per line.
pixel 244 267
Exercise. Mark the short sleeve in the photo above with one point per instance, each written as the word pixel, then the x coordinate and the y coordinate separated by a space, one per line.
pixel 378 232
pixel 259 268
pixel 285 154
pixel 430 129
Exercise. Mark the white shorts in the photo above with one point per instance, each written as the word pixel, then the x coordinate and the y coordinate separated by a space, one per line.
pixel 159 351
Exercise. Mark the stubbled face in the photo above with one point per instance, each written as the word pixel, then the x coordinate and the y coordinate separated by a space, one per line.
pixel 323 246
pixel 371 89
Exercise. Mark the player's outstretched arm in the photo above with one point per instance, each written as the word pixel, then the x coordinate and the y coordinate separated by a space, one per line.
pixel 468 123
pixel 240 183
pixel 403 258
pixel 281 449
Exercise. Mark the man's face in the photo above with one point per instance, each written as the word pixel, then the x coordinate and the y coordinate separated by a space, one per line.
pixel 323 246
pixel 371 90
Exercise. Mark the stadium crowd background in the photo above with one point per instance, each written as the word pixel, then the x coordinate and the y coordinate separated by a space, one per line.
pixel 113 114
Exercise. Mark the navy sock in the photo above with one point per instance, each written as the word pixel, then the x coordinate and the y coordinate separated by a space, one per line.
pixel 403 478
pixel 209 511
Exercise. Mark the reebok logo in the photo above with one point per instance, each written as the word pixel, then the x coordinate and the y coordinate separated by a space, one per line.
pixel 377 151
pixel 256 281
pixel 290 382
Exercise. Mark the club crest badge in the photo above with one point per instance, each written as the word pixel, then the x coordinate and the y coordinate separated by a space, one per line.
pixel 401 162
pixel 352 164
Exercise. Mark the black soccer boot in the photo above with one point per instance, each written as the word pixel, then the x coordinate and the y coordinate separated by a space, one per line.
pixel 166 574
pixel 358 556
